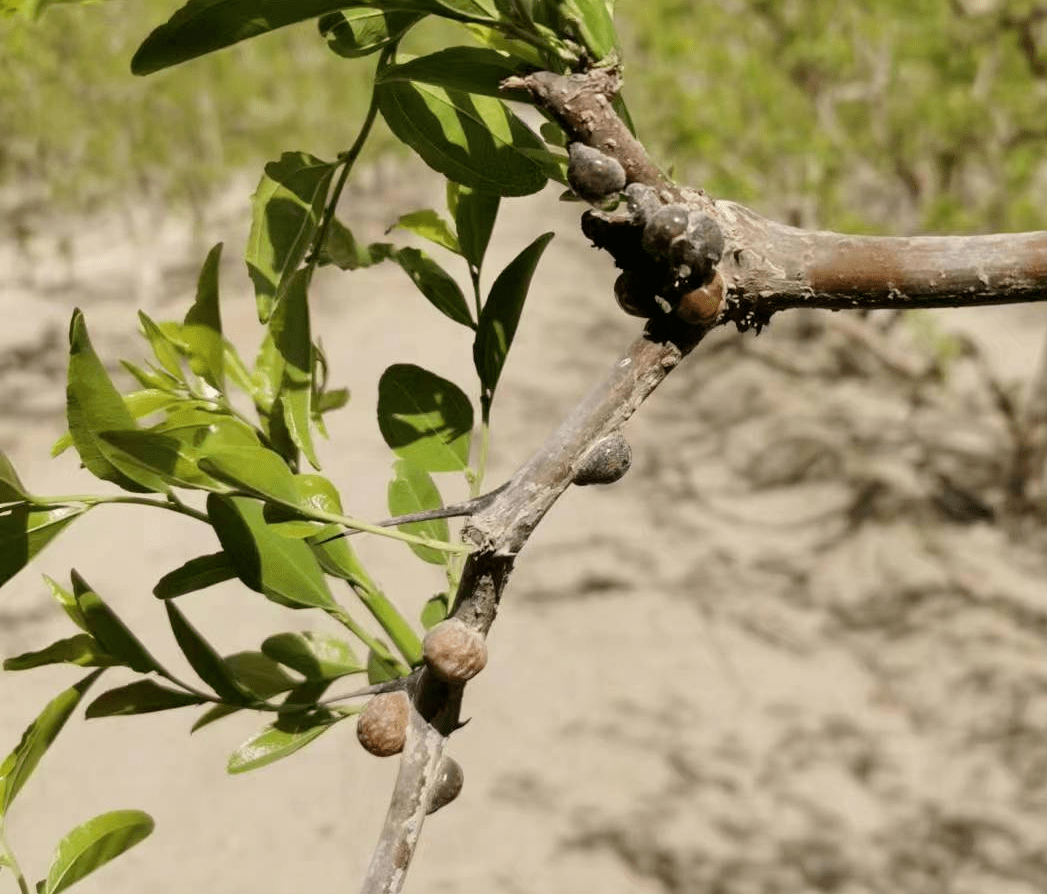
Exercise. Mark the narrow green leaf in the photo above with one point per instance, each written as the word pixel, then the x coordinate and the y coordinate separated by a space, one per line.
pixel 501 313
pixel 202 329
pixel 161 454
pixel 335 557
pixel 139 698
pixel 116 638
pixel 464 69
pixel 424 418
pixel 280 740
pixel 157 379
pixel 196 574
pixel 286 210
pixel 93 405
pixel 204 660
pixel 429 225
pixel 292 339
pixel 436 285
pixel 203 26
pixel 285 570
pixel 213 714
pixel 314 656
pixel 475 214
pixel 164 348
pixel 24 532
pixel 94 843
pixel 80 649
pixel 259 674
pixel 67 600
pixel 11 487
pixel 357 32
pixel 342 249
pixel 20 764
pixel 474 140
pixel 411 491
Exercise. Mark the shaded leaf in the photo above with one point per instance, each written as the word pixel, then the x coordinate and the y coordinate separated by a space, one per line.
pixel 67 601
pixel 436 284
pixel 424 418
pixel 11 487
pixel 93 405
pixel 158 453
pixel 380 670
pixel 202 329
pixel 116 638
pixel 213 714
pixel 429 225
pixel 196 574
pixel 464 69
pixel 80 649
pixel 285 570
pixel 37 738
pixel 204 660
pixel 342 249
pixel 94 843
pixel 291 338
pixel 357 32
pixel 24 532
pixel 280 740
pixel 475 214
pixel 474 140
pixel 139 698
pixel 435 611
pixel 259 674
pixel 314 656
pixel 411 491
pixel 286 210
pixel 501 313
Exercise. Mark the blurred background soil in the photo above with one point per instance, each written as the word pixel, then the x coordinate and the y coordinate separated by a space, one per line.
pixel 800 647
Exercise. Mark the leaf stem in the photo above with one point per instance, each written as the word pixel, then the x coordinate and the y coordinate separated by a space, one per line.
pixel 376 646
pixel 92 500
pixel 11 860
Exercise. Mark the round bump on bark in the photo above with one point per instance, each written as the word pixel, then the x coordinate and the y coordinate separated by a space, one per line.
pixel 702 306
pixel 454 652
pixel 383 725
pixel 664 226
pixel 634 295
pixel 447 786
pixel 607 461
pixel 592 174
pixel 642 201
pixel 706 234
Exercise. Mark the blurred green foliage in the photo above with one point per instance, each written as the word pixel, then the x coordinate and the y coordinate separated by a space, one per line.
pixel 895 116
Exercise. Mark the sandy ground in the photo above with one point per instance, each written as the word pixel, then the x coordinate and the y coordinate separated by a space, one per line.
pixel 799 648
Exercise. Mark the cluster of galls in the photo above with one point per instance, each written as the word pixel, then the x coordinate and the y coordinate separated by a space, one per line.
pixel 454 653
pixel 668 253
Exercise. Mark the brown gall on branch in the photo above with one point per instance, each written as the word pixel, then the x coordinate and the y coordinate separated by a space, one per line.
pixel 768 267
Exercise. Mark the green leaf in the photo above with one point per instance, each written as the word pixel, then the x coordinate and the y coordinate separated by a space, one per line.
pixel 474 140
pixel 156 453
pixel 380 670
pixel 202 657
pixel 291 338
pixel 20 764
pixel 280 740
pixel 292 528
pixel 68 603
pixel 285 570
pixel 342 249
pixel 202 329
pixel 116 638
pixel 196 574
pixel 429 225
pixel 24 532
pixel 157 379
pixel 93 405
pixel 435 611
pixel 357 32
pixel 590 22
pixel 411 491
pixel 436 284
pixel 81 649
pixel 213 714
pixel 203 26
pixel 314 656
pixel 139 698
pixel 464 69
pixel 286 210
pixel 11 487
pixel 259 674
pixel 475 214
pixel 424 418
pixel 164 347
pixel 501 313
pixel 95 843
pixel 335 557
pixel 255 469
